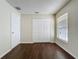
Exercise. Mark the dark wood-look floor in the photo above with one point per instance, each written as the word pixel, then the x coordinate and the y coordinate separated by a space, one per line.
pixel 38 51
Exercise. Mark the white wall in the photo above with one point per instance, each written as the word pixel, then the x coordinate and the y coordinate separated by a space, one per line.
pixel 5 30
pixel 26 26
pixel 72 45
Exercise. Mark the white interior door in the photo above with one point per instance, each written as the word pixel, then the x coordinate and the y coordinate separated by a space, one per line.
pixel 15 29
pixel 41 30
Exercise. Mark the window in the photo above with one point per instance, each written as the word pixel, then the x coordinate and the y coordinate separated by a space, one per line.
pixel 62 27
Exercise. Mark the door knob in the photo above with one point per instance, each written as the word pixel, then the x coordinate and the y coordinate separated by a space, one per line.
pixel 12 32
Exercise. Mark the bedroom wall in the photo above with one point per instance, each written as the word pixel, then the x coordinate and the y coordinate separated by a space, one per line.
pixel 5 26
pixel 72 46
pixel 26 26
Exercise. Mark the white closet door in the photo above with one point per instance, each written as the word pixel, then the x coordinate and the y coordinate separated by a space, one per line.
pixel 15 29
pixel 41 30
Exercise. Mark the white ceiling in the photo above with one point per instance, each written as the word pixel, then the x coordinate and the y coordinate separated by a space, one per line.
pixel 41 6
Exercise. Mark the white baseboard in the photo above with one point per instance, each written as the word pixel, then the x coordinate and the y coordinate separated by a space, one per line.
pixel 33 42
pixel 7 51
pixel 67 51
pixel 26 42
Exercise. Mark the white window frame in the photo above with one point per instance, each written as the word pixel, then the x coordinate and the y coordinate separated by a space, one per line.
pixel 62 35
